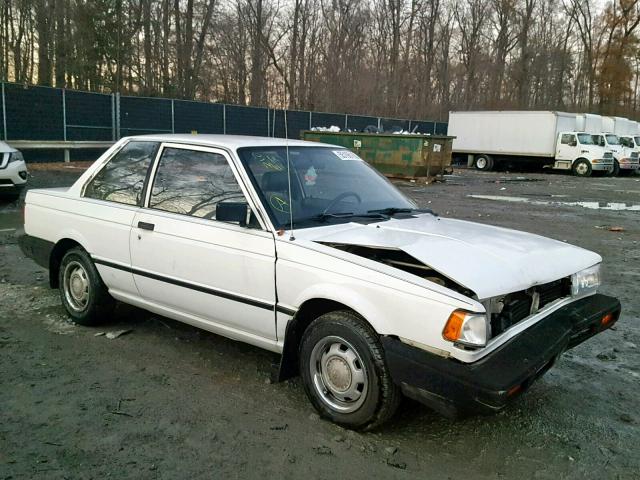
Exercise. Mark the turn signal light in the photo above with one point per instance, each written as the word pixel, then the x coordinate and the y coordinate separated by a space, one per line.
pixel 454 326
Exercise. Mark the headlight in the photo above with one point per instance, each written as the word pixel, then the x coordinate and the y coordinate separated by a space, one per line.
pixel 16 157
pixel 585 281
pixel 467 328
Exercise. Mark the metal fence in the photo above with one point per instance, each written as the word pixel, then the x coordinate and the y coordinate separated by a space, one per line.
pixel 52 114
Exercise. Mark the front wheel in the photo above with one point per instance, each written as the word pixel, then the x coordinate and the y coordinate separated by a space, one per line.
pixel 344 371
pixel 616 169
pixel 581 168
pixel 83 294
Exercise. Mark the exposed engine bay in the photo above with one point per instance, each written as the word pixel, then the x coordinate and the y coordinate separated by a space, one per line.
pixel 403 261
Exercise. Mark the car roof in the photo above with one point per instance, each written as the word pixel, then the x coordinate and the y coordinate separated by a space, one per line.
pixel 231 142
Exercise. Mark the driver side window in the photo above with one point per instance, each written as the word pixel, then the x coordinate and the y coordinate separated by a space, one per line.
pixel 199 184
pixel 567 139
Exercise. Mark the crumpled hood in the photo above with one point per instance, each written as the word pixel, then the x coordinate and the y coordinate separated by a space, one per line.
pixel 487 260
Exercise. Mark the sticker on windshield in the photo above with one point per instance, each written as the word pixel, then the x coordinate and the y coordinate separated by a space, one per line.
pixel 310 176
pixel 346 155
pixel 279 203
pixel 269 161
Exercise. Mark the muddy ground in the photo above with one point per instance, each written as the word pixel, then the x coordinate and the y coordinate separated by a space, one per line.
pixel 169 401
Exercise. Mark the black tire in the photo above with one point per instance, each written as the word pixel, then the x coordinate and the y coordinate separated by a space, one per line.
pixel 380 397
pixel 97 305
pixel 484 163
pixel 581 168
pixel 616 168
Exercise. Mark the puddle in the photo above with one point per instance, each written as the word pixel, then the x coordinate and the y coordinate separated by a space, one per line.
pixel 10 221
pixel 617 206
pixel 515 180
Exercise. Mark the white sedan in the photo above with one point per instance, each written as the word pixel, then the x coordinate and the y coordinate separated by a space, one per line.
pixel 13 172
pixel 304 249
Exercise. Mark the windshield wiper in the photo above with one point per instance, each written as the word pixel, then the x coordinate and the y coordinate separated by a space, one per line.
pixel 321 217
pixel 395 210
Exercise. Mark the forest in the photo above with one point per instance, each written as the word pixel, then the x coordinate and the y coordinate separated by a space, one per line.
pixel 402 58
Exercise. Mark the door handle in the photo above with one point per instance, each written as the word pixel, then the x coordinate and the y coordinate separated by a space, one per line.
pixel 146 226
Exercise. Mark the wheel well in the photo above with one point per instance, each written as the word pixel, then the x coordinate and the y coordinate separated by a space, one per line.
pixel 60 248
pixel 308 312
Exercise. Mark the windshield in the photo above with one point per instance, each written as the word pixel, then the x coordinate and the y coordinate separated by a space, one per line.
pixel 585 139
pixel 637 139
pixel 612 139
pixel 326 183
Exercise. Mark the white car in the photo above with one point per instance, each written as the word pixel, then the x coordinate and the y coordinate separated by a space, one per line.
pixel 13 172
pixel 366 296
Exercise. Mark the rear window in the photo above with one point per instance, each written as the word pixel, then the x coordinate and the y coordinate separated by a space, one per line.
pixel 122 179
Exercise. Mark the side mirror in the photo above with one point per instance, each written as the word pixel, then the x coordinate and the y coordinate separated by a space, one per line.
pixel 233 212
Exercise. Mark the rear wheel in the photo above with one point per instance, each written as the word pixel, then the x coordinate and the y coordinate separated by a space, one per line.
pixel 484 163
pixel 581 168
pixel 344 371
pixel 83 294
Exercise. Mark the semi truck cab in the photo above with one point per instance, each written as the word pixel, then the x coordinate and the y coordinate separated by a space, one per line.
pixel 625 157
pixel 581 153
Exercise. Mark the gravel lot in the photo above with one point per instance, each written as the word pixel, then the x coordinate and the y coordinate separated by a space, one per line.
pixel 169 401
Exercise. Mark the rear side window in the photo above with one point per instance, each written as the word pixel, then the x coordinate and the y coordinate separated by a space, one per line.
pixel 194 183
pixel 122 178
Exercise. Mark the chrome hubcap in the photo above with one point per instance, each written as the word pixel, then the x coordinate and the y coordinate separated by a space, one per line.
pixel 481 163
pixel 582 168
pixel 76 286
pixel 339 375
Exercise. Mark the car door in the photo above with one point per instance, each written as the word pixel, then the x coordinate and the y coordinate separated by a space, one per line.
pixel 111 199
pixel 198 248
pixel 567 147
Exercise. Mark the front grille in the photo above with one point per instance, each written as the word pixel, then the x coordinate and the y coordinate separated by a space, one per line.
pixel 608 155
pixel 517 306
pixel 634 155
pixel 552 291
pixel 5 181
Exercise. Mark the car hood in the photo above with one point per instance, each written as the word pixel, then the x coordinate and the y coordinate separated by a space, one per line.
pixel 488 260
pixel 4 148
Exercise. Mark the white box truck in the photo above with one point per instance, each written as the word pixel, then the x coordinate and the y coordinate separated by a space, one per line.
pixel 616 136
pixel 544 137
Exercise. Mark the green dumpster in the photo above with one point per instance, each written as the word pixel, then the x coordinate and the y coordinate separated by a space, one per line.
pixel 394 155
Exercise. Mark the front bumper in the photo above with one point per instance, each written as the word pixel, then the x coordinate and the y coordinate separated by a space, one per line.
pixel 452 387
pixel 608 167
pixel 628 166
pixel 13 177
pixel 601 164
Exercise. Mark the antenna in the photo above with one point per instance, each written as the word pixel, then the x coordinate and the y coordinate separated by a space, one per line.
pixel 286 143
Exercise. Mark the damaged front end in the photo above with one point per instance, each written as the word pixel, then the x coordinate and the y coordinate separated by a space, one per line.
pixel 401 260
pixel 505 311
pixel 502 311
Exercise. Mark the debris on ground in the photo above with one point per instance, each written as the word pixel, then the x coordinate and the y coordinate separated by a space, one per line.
pixel 391 450
pixel 117 333
pixel 282 427
pixel 399 465
pixel 626 418
pixel 323 450
pixel 606 356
